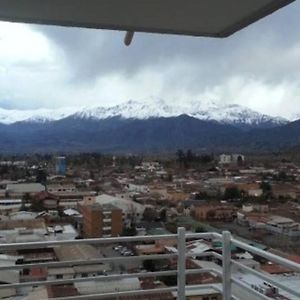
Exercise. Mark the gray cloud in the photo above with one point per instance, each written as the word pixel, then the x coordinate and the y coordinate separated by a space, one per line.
pixel 256 51
pixel 94 66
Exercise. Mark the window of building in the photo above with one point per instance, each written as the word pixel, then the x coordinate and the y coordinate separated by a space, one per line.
pixel 26 272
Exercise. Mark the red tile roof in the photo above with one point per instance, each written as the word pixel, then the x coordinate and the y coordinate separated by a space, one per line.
pixel 274 269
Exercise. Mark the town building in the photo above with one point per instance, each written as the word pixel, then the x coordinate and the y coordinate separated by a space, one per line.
pixel 226 159
pixel 8 206
pixel 100 220
pixel 47 200
pixel 60 165
pixel 218 211
pixel 20 189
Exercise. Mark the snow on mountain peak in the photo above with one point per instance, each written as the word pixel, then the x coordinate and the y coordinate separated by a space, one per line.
pixel 154 107
pixel 204 110
pixel 42 115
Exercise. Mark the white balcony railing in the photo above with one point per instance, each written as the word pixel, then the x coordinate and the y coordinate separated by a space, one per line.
pixel 226 261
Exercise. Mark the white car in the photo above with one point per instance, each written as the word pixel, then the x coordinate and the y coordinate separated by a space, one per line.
pixel 118 248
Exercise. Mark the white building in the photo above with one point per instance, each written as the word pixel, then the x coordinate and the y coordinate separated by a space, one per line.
pixel 224 159
pixel 8 206
pixel 128 207
pixel 282 225
pixel 19 189
pixel 23 215
pixel 231 159
pixel 61 188
pixel 137 188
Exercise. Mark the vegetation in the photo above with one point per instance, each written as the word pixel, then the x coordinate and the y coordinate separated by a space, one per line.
pixel 189 159
pixel 232 193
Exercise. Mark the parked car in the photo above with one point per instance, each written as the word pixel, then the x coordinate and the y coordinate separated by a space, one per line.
pixel 118 248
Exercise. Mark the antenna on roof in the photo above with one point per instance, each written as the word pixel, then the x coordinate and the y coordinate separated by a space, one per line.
pixel 128 37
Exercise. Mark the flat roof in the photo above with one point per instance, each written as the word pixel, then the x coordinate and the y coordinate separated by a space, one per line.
pixel 213 18
pixel 76 252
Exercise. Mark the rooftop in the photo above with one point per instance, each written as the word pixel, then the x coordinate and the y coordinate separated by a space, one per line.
pixel 76 252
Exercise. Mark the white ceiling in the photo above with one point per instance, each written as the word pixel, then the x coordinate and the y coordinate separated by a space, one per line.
pixel 215 18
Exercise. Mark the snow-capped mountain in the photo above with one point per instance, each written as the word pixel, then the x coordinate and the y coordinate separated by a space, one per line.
pixel 145 127
pixel 295 117
pixel 10 116
pixel 203 110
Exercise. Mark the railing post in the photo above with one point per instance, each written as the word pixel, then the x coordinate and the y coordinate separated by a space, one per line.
pixel 181 263
pixel 226 263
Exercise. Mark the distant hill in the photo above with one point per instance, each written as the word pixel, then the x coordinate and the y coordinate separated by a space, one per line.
pixel 136 127
pixel 149 135
pixel 227 114
pixel 114 135
pixel 277 138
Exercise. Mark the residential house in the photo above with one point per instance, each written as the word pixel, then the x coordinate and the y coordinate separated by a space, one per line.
pixel 47 200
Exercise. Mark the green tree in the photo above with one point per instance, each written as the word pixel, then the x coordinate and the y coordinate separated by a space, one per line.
pixel 266 187
pixel 211 214
pixel 190 156
pixel 180 156
pixel 37 206
pixel 170 177
pixel 200 229
pixel 41 176
pixel 163 215
pixel 149 265
pixel 149 214
pixel 232 193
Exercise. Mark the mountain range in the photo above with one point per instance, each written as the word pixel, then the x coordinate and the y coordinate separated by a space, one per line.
pixel 153 108
pixel 145 126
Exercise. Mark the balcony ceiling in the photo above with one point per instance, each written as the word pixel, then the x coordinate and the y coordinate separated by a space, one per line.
pixel 213 18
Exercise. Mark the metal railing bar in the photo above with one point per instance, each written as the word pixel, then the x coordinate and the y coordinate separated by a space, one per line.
pixel 137 292
pixel 203 235
pixel 110 240
pixel 120 294
pixel 181 263
pixel 226 265
pixel 101 277
pixel 270 256
pixel 217 255
pixel 200 254
pixel 181 254
pixel 206 270
pixel 267 279
pixel 72 263
pixel 249 289
pixel 85 279
pixel 213 286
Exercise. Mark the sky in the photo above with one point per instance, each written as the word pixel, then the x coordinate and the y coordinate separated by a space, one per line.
pixel 53 67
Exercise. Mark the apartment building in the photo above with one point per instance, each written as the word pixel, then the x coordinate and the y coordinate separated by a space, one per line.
pixel 8 206
pixel 214 211
pixel 231 159
pixel 101 220
pixel 61 188
pixel 18 190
